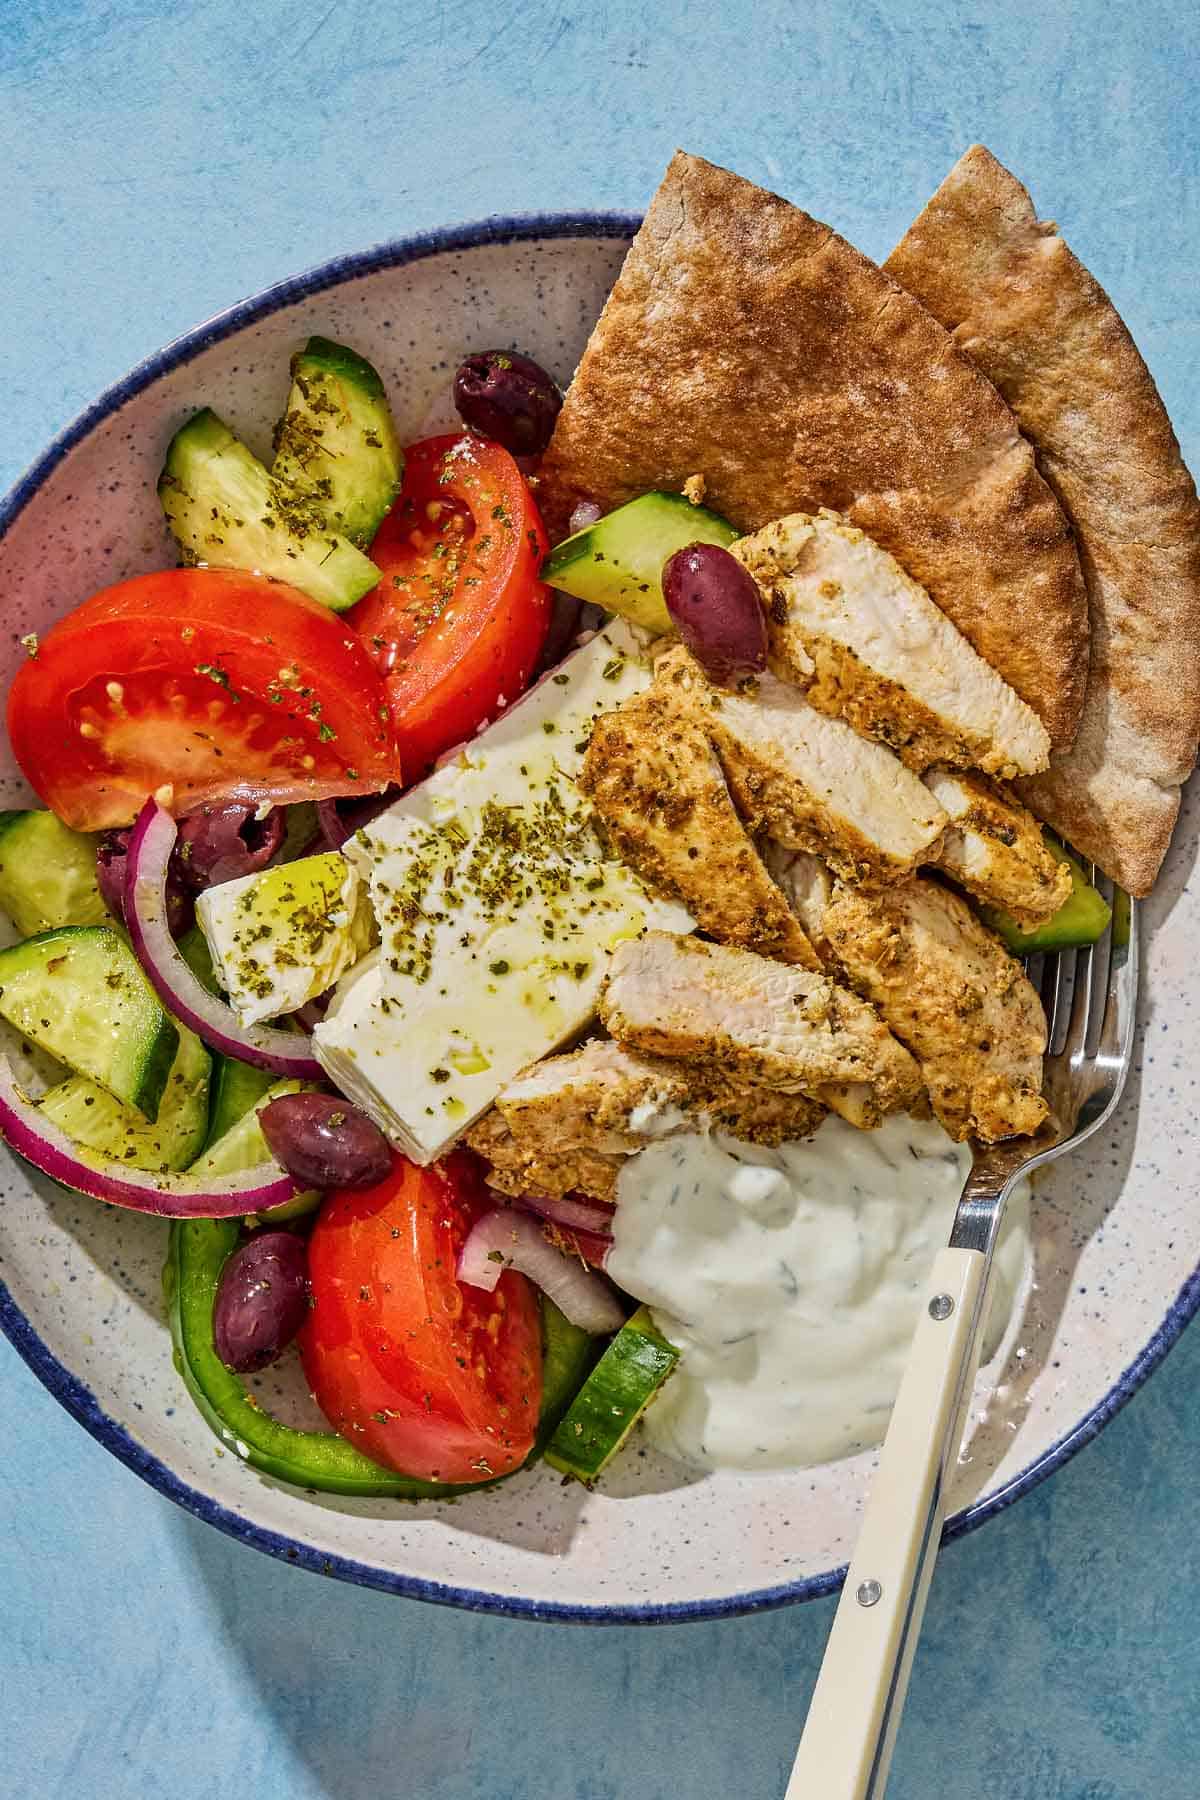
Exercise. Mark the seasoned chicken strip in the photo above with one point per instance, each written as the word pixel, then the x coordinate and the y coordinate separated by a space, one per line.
pixel 948 989
pixel 656 783
pixel 605 1098
pixel 809 781
pixel 521 1166
pixel 808 885
pixel 995 848
pixel 867 644
pixel 752 1020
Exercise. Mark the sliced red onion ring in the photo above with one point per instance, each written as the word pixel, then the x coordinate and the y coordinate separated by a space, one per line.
pixel 310 1015
pixel 586 513
pixel 506 1239
pixel 41 1143
pixel 572 1215
pixel 336 827
pixel 267 1047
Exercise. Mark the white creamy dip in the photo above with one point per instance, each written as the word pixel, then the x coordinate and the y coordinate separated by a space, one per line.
pixel 791 1280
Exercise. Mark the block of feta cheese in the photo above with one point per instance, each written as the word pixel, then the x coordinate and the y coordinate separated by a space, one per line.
pixel 283 936
pixel 498 906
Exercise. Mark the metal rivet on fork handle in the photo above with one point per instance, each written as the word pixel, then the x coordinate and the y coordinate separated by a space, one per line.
pixel 869 1593
pixel 940 1307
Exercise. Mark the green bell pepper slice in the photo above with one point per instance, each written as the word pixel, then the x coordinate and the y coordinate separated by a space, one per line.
pixel 196 1255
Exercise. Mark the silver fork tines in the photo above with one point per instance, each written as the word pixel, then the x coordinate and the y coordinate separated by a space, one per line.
pixel 1090 1000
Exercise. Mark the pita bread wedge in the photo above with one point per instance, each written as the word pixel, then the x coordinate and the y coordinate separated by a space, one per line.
pixel 1029 314
pixel 745 342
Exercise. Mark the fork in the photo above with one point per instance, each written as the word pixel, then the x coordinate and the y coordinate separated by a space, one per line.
pixel 1090 1000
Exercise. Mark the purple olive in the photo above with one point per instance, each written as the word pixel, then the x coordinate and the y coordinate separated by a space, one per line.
pixel 716 610
pixel 506 396
pixel 262 1300
pixel 324 1141
pixel 219 843
pixel 112 856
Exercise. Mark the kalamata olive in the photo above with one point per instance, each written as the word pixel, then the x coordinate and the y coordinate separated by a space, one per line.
pixel 506 396
pixel 324 1141
pixel 219 843
pixel 112 854
pixel 565 612
pixel 716 610
pixel 262 1300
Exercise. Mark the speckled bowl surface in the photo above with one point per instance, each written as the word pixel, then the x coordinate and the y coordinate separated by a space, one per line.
pixel 1116 1229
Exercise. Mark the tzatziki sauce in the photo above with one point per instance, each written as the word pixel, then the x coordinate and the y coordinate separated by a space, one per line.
pixel 791 1280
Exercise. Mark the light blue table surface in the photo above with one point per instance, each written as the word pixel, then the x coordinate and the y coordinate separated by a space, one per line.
pixel 158 162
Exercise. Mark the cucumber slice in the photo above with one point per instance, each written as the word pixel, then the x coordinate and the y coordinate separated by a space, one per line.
pixel 194 951
pixel 47 874
pixel 568 1354
pixel 226 510
pixel 617 562
pixel 299 829
pixel 244 1145
pixel 612 1399
pixel 336 445
pixel 94 1119
pixel 236 1087
pixel 79 993
pixel 1082 918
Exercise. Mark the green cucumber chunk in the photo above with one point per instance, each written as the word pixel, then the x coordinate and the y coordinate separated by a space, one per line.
pixel 198 1249
pixel 242 1145
pixel 568 1355
pixel 227 511
pixel 336 445
pixel 194 950
pixel 236 1087
pixel 95 1120
pixel 80 994
pixel 299 829
pixel 1083 917
pixel 612 1399
pixel 47 874
pixel 617 562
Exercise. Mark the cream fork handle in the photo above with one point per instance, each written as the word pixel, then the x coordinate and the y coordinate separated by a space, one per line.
pixel 850 1732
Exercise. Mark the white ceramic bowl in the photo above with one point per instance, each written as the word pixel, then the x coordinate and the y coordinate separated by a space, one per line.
pixel 1116 1233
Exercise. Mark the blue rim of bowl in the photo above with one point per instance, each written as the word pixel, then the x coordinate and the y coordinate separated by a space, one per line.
pixel 79 1400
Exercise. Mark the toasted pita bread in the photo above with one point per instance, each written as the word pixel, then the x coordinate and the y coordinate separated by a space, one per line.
pixel 1028 313
pixel 746 342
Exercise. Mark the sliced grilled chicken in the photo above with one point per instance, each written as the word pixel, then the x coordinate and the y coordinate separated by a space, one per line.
pixel 520 1166
pixel 811 782
pixel 738 1014
pixel 946 986
pixel 868 645
pixel 606 1098
pixel 654 780
pixel 995 849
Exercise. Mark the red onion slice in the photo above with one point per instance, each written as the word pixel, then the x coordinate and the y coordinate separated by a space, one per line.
pixel 585 513
pixel 41 1143
pixel 505 1239
pixel 572 1215
pixel 334 829
pixel 337 827
pixel 181 993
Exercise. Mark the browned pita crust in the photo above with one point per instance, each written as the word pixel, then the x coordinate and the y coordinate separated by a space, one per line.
pixel 748 343
pixel 1027 311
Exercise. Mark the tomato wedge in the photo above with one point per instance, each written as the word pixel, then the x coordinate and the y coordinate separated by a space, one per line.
pixel 433 1379
pixel 208 683
pixel 458 620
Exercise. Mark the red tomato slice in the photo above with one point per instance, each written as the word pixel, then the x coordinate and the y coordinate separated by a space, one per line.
pixel 460 616
pixel 210 683
pixel 436 1380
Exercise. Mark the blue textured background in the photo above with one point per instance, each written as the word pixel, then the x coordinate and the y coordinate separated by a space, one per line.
pixel 161 161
